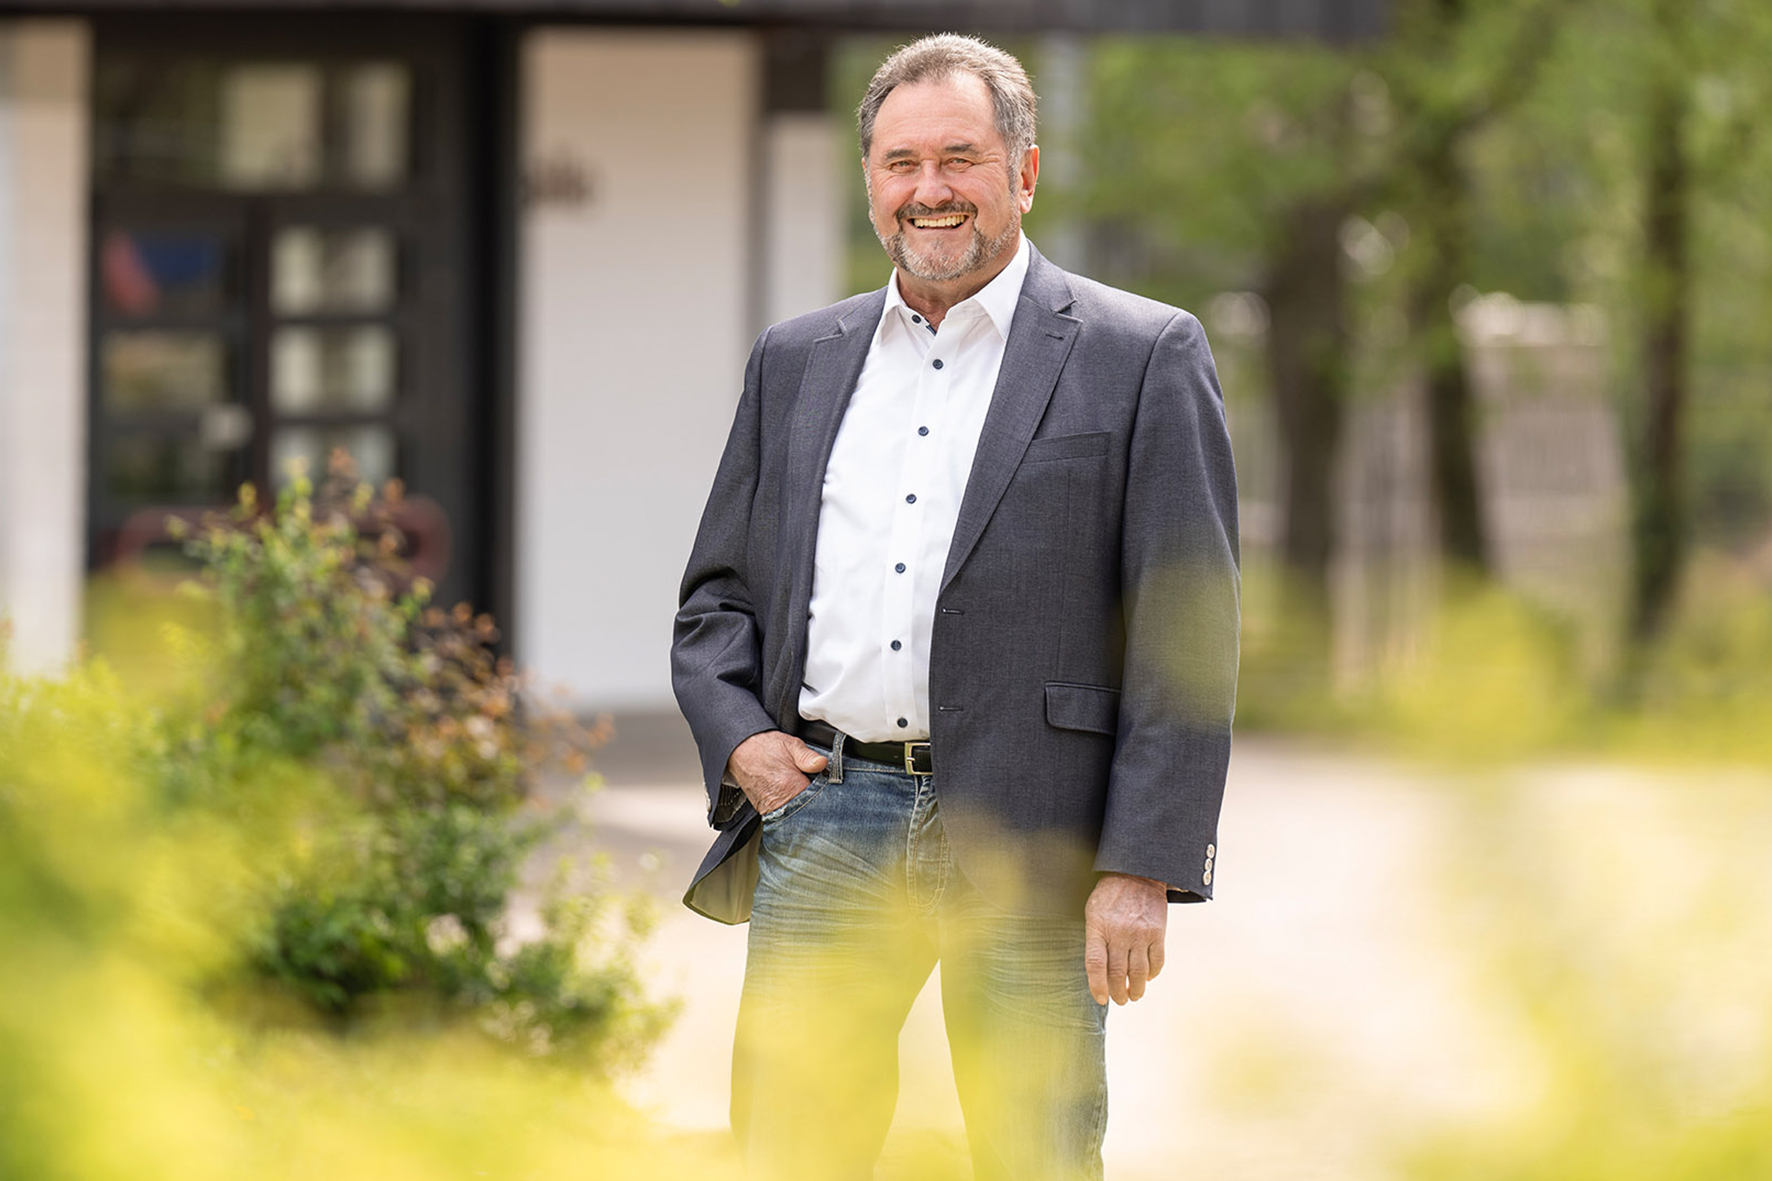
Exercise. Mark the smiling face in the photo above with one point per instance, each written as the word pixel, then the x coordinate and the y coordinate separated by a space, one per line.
pixel 945 198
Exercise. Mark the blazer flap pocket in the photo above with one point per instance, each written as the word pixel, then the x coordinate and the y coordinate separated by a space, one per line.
pixel 1066 447
pixel 1083 707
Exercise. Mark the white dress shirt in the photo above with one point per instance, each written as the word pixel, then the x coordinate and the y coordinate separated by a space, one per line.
pixel 890 501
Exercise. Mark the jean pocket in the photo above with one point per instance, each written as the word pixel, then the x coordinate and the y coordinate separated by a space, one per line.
pixel 799 800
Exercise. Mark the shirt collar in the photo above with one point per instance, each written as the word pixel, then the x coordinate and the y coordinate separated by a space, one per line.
pixel 997 298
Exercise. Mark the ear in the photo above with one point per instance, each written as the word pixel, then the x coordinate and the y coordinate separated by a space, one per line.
pixel 1029 176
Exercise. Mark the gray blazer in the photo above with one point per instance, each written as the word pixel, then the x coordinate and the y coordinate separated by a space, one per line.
pixel 1083 667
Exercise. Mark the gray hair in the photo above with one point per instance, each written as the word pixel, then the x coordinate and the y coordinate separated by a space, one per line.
pixel 945 55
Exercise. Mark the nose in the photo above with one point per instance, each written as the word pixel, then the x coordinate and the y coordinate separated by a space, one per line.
pixel 932 186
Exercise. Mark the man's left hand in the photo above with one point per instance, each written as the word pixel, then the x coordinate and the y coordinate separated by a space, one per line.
pixel 1123 923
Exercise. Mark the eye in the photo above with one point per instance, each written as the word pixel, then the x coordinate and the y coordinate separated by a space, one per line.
pixel 900 166
pixel 960 162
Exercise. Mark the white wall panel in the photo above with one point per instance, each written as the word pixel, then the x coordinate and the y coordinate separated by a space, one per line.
pixel 813 169
pixel 43 201
pixel 638 150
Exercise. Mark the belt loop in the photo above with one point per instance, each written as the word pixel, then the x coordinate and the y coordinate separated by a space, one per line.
pixel 836 764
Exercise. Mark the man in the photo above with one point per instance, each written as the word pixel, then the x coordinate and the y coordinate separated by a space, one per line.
pixel 958 644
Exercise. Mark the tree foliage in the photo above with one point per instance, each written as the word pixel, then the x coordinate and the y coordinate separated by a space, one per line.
pixel 1597 151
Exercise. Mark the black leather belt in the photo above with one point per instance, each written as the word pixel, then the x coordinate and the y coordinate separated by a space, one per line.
pixel 912 756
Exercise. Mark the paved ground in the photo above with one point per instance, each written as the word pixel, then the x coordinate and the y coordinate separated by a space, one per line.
pixel 1327 1008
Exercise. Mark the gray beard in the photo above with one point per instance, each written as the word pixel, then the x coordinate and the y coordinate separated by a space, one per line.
pixel 977 253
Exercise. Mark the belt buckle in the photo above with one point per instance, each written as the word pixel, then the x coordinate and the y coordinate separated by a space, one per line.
pixel 910 758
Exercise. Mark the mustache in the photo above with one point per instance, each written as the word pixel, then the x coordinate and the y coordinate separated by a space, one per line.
pixel 916 209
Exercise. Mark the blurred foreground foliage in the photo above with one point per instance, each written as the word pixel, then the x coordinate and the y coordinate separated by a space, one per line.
pixel 137 1042
pixel 1615 929
pixel 315 830
pixel 1488 675
pixel 122 912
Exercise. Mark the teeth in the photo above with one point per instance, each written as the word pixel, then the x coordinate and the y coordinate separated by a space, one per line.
pixel 933 223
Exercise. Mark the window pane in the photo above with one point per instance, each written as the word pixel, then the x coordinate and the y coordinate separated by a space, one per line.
pixel 147 273
pixel 161 371
pixel 374 124
pixel 315 270
pixel 154 120
pixel 167 470
pixel 322 370
pixel 270 126
pixel 252 125
pixel 372 447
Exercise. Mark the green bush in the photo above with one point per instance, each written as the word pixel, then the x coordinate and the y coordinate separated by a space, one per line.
pixel 413 758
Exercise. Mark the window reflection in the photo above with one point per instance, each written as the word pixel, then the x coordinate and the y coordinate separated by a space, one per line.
pixel 163 371
pixel 252 125
pixel 332 369
pixel 270 127
pixel 373 103
pixel 371 446
pixel 164 469
pixel 163 273
pixel 316 270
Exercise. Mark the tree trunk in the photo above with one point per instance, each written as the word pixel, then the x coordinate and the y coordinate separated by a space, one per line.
pixel 1440 224
pixel 1307 350
pixel 1660 523
pixel 1451 410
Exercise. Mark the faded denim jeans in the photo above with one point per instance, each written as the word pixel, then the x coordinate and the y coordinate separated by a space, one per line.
pixel 857 900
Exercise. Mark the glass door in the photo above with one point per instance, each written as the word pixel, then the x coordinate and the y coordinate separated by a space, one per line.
pixel 274 219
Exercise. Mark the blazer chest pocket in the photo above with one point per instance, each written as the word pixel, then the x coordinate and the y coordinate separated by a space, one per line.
pixel 1067 447
pixel 1083 707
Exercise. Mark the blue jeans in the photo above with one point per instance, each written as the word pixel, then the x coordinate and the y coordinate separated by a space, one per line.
pixel 856 901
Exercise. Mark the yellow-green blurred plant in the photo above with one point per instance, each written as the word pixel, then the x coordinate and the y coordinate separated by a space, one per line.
pixel 124 907
pixel 1484 674
pixel 1618 930
pixel 111 907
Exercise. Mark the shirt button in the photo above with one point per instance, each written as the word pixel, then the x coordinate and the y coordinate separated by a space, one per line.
pixel 896 645
pixel 916 319
pixel 902 723
pixel 911 499
pixel 937 364
pixel 922 430
pixel 899 567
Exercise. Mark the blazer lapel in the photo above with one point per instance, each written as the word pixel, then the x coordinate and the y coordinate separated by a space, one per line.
pixel 1039 341
pixel 832 369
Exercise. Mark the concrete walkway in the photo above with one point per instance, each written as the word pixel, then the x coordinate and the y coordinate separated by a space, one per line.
pixel 1329 1008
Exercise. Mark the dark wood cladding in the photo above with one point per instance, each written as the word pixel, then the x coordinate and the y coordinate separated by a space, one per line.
pixel 1332 20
